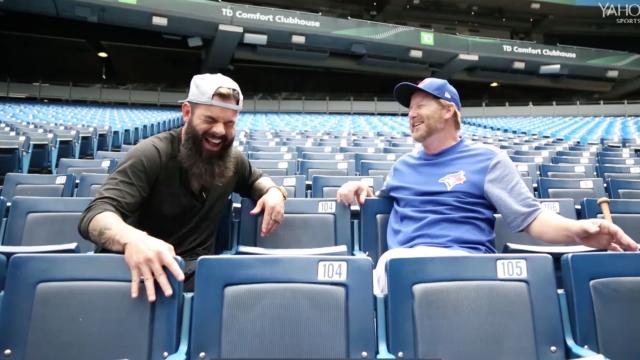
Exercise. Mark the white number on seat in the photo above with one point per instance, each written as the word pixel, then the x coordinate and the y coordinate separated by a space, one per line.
pixel 327 207
pixel 511 269
pixel 332 270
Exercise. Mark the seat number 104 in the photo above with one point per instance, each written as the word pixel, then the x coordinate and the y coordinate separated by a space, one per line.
pixel 332 270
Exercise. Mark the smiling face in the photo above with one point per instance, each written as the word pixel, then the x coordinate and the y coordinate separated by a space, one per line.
pixel 427 116
pixel 207 138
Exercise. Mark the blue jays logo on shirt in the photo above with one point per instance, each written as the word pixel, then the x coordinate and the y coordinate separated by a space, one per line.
pixel 454 179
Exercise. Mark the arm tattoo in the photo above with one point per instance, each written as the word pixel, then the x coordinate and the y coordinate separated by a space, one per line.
pixel 103 238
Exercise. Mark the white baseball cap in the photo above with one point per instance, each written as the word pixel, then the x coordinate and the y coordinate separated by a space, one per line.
pixel 203 86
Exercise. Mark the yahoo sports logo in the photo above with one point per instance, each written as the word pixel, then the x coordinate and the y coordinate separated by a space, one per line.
pixel 627 13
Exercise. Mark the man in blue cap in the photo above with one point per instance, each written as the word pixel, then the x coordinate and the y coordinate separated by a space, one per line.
pixel 445 194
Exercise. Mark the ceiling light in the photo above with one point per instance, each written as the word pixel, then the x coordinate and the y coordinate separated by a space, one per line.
pixel 535 6
pixel 103 54
pixel 612 74
pixel 518 65
pixel 298 39
pixel 159 20
pixel 415 53
pixel 494 84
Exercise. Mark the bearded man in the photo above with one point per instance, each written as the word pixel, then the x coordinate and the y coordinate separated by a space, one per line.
pixel 168 194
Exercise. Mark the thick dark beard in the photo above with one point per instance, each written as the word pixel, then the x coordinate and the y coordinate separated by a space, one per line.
pixel 205 168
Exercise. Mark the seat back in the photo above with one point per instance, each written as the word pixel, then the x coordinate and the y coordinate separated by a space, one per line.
pixel 16 184
pixel 78 306
pixel 275 167
pixel 89 184
pixel 603 293
pixel 576 189
pixel 294 184
pixel 618 171
pixel 374 218
pixel 623 188
pixel 504 234
pixel 624 212
pixel 567 170
pixel 307 223
pixel 474 307
pixel 79 166
pixel 327 186
pixel 283 307
pixel 46 221
pixel 309 168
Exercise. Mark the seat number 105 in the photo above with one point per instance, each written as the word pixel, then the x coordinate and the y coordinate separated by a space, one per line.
pixel 512 269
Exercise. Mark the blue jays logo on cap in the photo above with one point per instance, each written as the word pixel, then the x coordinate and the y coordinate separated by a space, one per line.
pixel 436 87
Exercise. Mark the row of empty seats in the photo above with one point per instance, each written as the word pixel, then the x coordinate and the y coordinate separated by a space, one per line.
pixel 472 307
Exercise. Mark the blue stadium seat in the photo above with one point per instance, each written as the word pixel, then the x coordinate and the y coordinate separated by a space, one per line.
pixel 46 221
pixel 504 235
pixel 307 223
pixel 117 155
pixel 79 307
pixel 81 166
pixel 295 185
pixel 577 189
pixel 374 218
pixel 282 307
pixel 309 168
pixel 327 156
pixel 327 186
pixel 603 293
pixel 375 157
pixel 17 184
pixel 372 167
pixel 618 171
pixel 474 307
pixel 624 213
pixel 275 167
pixel 567 171
pixel 573 160
pixel 89 184
pixel 251 155
pixel 623 188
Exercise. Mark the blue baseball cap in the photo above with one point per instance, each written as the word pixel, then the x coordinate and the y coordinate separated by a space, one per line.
pixel 437 87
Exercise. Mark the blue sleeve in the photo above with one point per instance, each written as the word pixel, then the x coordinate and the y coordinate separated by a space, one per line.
pixel 509 194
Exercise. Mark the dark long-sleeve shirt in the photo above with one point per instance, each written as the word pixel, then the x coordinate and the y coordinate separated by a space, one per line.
pixel 151 191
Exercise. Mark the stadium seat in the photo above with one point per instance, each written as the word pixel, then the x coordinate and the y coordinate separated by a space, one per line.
pixel 474 307
pixel 374 218
pixel 327 186
pixel 309 168
pixel 270 307
pixel 82 166
pixel 577 189
pixel 117 155
pixel 373 168
pixel 275 167
pixel 327 156
pixel 271 156
pixel 79 306
pixel 603 293
pixel 16 184
pixel 623 188
pixel 307 223
pixel 46 221
pixel 566 171
pixel 88 184
pixel 295 185
pixel 624 213
pixel 504 235
pixel 618 172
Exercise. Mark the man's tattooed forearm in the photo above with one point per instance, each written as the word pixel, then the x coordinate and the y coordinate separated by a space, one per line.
pixel 102 237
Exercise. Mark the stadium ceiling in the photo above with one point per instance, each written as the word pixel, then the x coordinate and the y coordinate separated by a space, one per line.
pixel 538 50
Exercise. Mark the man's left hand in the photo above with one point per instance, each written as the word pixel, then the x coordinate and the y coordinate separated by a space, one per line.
pixel 272 203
